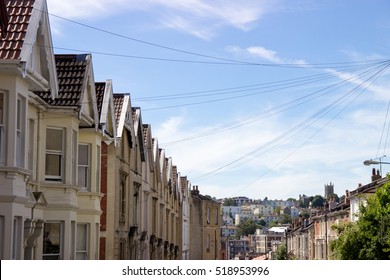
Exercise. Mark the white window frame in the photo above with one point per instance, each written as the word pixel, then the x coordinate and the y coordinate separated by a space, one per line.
pixel 61 153
pixel 74 157
pixel 53 256
pixel 82 244
pixel 98 168
pixel 31 144
pixel 3 126
pixel 84 169
pixel 20 131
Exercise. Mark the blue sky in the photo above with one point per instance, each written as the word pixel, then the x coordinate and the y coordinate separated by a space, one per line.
pixel 250 98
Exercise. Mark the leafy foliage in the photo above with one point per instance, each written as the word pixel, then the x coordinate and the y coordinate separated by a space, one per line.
pixel 369 237
pixel 286 219
pixel 229 202
pixel 318 201
pixel 281 253
pixel 247 227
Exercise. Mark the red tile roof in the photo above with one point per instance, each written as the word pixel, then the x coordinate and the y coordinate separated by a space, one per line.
pixel 19 13
pixel 71 71
pixel 100 88
pixel 118 105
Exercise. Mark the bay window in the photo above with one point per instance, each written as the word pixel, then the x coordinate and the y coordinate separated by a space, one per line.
pixel 84 166
pixel 20 128
pixel 52 241
pixel 54 169
pixel 82 242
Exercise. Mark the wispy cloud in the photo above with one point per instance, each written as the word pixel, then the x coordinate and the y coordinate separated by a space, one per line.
pixel 358 56
pixel 380 91
pixel 201 18
pixel 335 154
pixel 264 54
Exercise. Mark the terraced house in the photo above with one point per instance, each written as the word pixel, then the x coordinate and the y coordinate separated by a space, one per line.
pixel 81 176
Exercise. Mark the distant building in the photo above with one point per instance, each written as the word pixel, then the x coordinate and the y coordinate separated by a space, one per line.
pixel 265 238
pixel 228 231
pixel 205 227
pixel 237 247
pixel 329 190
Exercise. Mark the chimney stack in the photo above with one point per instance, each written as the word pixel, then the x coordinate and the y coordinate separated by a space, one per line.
pixel 375 175
pixel 346 200
pixel 195 190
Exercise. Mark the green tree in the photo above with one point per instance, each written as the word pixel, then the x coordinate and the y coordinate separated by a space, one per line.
pixel 229 202
pixel 304 214
pixel 286 219
pixel 277 210
pixel 318 201
pixel 247 227
pixel 369 237
pixel 273 224
pixel 262 223
pixel 281 253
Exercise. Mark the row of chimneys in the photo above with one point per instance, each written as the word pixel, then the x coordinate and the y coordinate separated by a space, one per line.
pixel 195 190
pixel 375 176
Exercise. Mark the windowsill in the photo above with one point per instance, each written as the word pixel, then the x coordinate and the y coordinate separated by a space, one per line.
pixel 17 170
pixel 89 193
pixel 54 184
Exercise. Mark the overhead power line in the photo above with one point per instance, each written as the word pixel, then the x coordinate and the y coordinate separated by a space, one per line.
pixel 192 53
pixel 278 109
pixel 299 127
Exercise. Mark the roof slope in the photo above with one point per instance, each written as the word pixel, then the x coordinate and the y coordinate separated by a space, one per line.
pixel 19 12
pixel 71 72
pixel 100 89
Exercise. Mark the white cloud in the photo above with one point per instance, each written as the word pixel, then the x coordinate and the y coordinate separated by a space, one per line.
pixel 170 127
pixel 366 81
pixel 85 8
pixel 335 154
pixel 357 56
pixel 201 18
pixel 264 54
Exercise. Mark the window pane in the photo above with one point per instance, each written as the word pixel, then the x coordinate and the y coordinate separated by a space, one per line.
pixel 52 241
pixel 83 177
pixel 18 115
pixel 31 127
pixel 74 157
pixel 83 154
pixel 54 139
pixel 53 165
pixel 81 237
pixel 81 243
pixel 19 153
